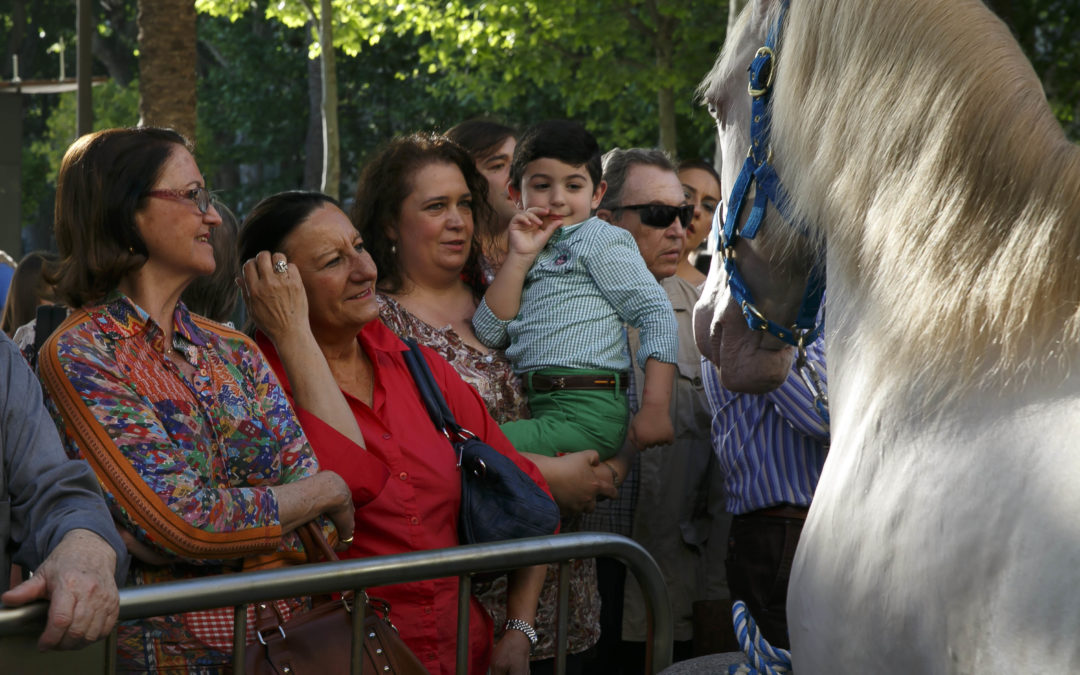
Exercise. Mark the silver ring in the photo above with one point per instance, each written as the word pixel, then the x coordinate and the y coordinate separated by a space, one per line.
pixel 281 267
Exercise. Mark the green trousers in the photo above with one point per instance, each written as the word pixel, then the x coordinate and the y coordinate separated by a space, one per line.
pixel 571 420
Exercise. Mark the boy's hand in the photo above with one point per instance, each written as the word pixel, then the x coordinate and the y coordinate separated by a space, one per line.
pixel 650 427
pixel 529 231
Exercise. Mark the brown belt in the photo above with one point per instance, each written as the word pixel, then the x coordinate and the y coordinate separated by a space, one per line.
pixel 545 383
pixel 782 511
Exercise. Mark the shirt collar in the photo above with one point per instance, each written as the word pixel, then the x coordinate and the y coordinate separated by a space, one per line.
pixel 566 231
pixel 120 318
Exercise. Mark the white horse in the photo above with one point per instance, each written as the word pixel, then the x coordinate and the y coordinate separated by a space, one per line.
pixel 919 152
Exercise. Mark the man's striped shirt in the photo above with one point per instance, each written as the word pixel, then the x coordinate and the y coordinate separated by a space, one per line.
pixel 771 446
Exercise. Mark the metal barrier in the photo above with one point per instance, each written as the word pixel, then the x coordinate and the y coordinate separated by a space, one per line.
pixel 356 574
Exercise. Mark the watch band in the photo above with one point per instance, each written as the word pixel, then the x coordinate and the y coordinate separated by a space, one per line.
pixel 524 627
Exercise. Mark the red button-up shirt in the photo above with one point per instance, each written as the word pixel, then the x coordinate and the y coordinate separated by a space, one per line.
pixel 418 507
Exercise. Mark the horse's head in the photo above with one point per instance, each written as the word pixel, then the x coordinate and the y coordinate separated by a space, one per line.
pixel 774 268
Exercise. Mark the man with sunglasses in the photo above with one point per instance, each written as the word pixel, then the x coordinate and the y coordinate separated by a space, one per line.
pixel 664 503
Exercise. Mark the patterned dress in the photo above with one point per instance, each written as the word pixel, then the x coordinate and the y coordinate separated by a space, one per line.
pixel 186 461
pixel 490 374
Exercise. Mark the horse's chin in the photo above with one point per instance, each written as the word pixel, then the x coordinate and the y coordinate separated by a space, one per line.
pixel 749 361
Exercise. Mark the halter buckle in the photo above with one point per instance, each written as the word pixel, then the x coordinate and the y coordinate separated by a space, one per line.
pixel 767 54
pixel 749 309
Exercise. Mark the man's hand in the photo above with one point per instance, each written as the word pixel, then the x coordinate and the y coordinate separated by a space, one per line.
pixel 77 579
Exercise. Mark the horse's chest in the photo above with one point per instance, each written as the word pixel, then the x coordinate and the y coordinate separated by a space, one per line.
pixel 947 543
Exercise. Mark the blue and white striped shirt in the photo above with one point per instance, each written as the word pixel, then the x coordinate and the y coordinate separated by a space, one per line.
pixel 771 446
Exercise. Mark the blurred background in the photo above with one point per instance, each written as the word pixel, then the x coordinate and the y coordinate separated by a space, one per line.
pixel 271 109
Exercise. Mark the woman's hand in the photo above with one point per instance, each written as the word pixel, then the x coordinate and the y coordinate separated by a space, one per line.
pixel 323 493
pixel 576 480
pixel 511 654
pixel 276 301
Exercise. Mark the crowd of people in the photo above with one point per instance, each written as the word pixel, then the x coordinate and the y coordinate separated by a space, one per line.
pixel 551 286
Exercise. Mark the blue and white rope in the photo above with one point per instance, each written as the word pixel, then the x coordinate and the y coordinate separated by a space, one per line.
pixel 763 658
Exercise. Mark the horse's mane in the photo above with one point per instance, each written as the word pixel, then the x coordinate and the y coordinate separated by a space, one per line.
pixel 917 137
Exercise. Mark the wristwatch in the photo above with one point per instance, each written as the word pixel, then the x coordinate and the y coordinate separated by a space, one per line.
pixel 524 627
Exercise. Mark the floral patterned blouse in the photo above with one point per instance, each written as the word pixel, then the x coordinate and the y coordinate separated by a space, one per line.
pixel 490 374
pixel 488 371
pixel 186 461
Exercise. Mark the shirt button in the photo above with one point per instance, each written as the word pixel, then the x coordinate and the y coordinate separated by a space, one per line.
pixel 386 436
pixel 403 475
pixel 489 358
pixel 414 520
pixel 427 610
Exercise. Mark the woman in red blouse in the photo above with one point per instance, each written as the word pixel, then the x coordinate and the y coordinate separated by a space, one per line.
pixel 314 302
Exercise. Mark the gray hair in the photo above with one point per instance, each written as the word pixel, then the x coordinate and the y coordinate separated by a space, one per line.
pixel 617 163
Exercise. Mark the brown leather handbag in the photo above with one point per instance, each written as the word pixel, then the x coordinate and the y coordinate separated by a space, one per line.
pixel 317 641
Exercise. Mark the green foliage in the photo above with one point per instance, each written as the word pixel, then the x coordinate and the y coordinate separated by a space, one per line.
pixel 1049 33
pixel 252 107
pixel 596 62
pixel 524 60
pixel 114 106
pixel 409 65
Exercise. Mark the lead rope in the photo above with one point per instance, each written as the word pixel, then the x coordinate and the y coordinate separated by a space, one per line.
pixel 764 659
pixel 812 379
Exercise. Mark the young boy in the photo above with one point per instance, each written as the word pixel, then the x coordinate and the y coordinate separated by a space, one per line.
pixel 558 304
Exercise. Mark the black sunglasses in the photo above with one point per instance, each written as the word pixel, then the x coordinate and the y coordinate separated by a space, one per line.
pixel 661 215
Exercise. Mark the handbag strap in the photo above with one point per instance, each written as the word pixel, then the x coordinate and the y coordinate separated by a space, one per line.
pixel 430 392
pixel 315 543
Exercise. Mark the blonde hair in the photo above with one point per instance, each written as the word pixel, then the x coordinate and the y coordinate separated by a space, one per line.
pixel 915 137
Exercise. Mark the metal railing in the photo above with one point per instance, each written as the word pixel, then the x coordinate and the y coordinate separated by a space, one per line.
pixel 242 589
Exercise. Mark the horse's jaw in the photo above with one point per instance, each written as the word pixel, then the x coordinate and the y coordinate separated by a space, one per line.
pixel 749 361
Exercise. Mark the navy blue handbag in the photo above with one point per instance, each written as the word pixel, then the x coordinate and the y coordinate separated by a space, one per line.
pixel 498 500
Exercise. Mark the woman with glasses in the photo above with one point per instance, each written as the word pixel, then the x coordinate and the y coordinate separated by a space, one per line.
pixel 204 464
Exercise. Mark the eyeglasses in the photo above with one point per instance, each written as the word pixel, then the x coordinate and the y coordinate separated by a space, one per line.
pixel 200 196
pixel 661 215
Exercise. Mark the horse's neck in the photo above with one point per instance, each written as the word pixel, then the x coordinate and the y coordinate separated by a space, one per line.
pixel 890 387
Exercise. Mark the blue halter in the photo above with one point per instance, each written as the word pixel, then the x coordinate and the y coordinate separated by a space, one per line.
pixel 758 169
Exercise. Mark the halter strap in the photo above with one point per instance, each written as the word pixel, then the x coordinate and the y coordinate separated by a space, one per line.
pixel 758 169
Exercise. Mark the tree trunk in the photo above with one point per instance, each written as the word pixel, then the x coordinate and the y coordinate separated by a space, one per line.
pixel 313 156
pixel 668 134
pixel 331 175
pixel 666 96
pixel 167 65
